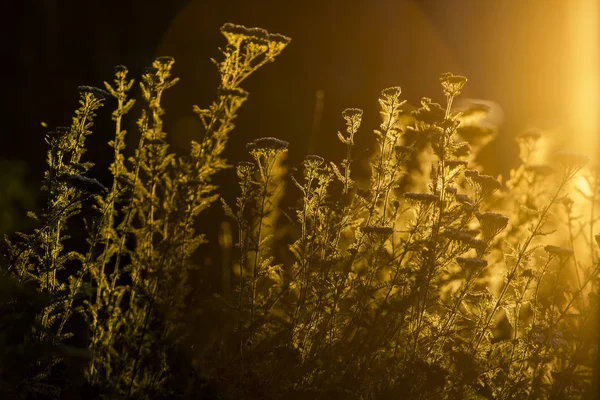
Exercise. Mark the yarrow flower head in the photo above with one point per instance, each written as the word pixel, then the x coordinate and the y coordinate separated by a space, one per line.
pixel 269 43
pixel 484 185
pixel 391 93
pixel 98 93
pixel 164 61
pixel 119 69
pixel 428 114
pixel 245 169
pixel 571 161
pixel 278 38
pixel 313 161
pixel 425 198
pixel 471 264
pixel 557 251
pixel 491 224
pixel 235 33
pixel 83 183
pixel 268 143
pixel 353 117
pixel 452 84
pixel 466 237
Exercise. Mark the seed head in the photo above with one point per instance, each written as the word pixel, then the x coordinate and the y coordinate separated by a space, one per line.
pixel 470 264
pixel 561 252
pixel 484 185
pixel 391 93
pixel 98 93
pixel 425 198
pixel 268 143
pixel 491 224
pixel 165 61
pixel 313 161
pixel 83 183
pixel 452 84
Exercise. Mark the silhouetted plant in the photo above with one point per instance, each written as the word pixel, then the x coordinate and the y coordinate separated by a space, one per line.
pixel 427 279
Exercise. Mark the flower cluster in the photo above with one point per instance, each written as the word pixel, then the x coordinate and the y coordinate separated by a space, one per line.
pixel 83 183
pixel 470 264
pixel 557 251
pixel 491 224
pixel 484 185
pixel 268 143
pixel 452 84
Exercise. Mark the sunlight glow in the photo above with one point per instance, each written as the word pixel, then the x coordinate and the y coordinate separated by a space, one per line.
pixel 583 57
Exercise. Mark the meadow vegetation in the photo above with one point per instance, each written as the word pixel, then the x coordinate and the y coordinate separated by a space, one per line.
pixel 428 279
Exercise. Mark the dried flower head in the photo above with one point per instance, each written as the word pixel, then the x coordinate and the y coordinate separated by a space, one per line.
pixel 165 61
pixel 120 69
pixel 236 33
pixel 561 252
pixel 491 224
pixel 83 183
pixel 428 114
pixel 268 143
pixel 391 93
pixel 571 161
pixel 484 185
pixel 461 236
pixel 278 38
pixel 452 84
pixel 245 169
pixel 313 161
pixel 425 198
pixel 353 117
pixel 98 93
pixel 470 264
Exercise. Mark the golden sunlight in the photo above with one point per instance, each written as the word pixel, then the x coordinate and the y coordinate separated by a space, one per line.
pixel 584 69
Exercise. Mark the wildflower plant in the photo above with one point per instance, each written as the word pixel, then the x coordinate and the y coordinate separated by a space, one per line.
pixel 426 279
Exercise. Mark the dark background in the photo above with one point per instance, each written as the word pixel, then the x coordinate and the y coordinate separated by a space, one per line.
pixel 510 50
